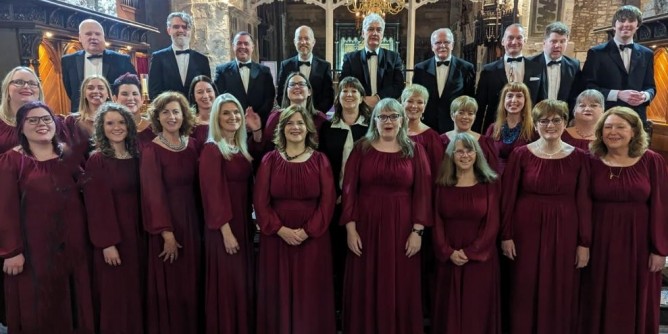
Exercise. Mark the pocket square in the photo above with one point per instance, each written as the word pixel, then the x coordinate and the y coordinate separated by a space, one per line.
pixel 534 78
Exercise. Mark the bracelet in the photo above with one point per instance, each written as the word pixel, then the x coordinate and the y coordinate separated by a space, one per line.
pixel 418 232
pixel 260 129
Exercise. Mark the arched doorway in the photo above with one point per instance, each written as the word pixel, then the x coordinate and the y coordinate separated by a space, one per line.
pixel 52 78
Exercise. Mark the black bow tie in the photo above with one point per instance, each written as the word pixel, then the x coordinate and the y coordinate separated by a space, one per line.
pixel 510 60
pixel 307 63
pixel 624 46
pixel 369 54
pixel 94 56
pixel 554 62
pixel 180 52
pixel 445 62
pixel 241 65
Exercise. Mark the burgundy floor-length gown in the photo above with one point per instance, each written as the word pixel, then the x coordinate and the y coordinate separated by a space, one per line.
pixel 384 194
pixel 168 195
pixel 621 295
pixel 488 146
pixel 433 145
pixel 112 195
pixel 466 298
pixel 225 186
pixel 44 219
pixel 546 211
pixel 295 287
pixel 582 144
pixel 504 150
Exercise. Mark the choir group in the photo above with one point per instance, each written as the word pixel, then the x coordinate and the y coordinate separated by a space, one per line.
pixel 391 211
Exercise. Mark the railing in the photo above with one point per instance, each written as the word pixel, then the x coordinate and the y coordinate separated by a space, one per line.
pixel 130 3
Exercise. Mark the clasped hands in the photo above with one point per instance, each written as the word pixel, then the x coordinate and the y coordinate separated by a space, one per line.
pixel 293 237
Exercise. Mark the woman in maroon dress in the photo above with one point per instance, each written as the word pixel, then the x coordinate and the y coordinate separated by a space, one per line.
pixel 629 189
pixel 114 225
pixel 171 217
pixel 463 111
pixel 386 199
pixel 126 90
pixel 95 91
pixel 226 177
pixel 467 196
pixel 20 86
pixel 414 99
pixel 546 226
pixel 201 95
pixel 294 199
pixel 589 107
pixel 513 127
pixel 43 228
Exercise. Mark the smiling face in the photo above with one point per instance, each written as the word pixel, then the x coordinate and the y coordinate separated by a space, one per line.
pixel 179 31
pixel 298 90
pixel 441 44
pixel 550 127
pixel 204 95
pixel 304 42
pixel 229 118
pixel 588 110
pixel 513 41
pixel 625 29
pixel 36 129
pixel 115 128
pixel 20 95
pixel 350 98
pixel 463 120
pixel 464 157
pixel 91 36
pixel 513 102
pixel 555 45
pixel 414 107
pixel 617 133
pixel 96 93
pixel 243 48
pixel 295 129
pixel 130 97
pixel 171 118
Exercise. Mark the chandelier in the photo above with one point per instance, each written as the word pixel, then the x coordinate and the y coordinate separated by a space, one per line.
pixel 363 8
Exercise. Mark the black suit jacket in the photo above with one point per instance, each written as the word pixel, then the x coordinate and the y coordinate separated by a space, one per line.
pixel 390 77
pixel 461 81
pixel 163 74
pixel 491 82
pixel 114 65
pixel 331 142
pixel 261 90
pixel 570 84
pixel 604 71
pixel 320 79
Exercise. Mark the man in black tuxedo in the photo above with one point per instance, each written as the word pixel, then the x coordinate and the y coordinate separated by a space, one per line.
pixel 94 59
pixel 446 77
pixel 317 70
pixel 250 82
pixel 510 68
pixel 379 70
pixel 561 74
pixel 174 67
pixel 621 70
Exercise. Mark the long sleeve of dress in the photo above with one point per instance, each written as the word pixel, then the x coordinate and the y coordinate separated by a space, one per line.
pixel 11 242
pixel 318 224
pixel 350 188
pixel 267 218
pixel 442 247
pixel 103 225
pixel 422 186
pixel 215 191
pixel 511 181
pixel 480 249
pixel 584 204
pixel 157 216
pixel 658 205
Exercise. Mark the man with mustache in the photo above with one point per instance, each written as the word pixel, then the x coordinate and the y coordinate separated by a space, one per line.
pixel 93 59
pixel 379 70
pixel 317 70
pixel 174 67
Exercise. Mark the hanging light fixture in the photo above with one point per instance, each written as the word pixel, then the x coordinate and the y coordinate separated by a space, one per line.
pixel 363 8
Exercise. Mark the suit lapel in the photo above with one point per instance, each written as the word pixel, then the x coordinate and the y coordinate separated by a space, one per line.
pixel 451 74
pixel 252 78
pixel 314 66
pixel 566 78
pixel 636 60
pixel 106 63
pixel 502 71
pixel 613 52
pixel 171 63
pixel 80 66
pixel 380 67
pixel 365 69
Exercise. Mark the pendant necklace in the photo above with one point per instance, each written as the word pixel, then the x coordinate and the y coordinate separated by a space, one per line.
pixel 584 136
pixel 549 155
pixel 289 158
pixel 613 175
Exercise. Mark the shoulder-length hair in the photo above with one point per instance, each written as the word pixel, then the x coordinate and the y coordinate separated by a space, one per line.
pixel 5 112
pixel 363 109
pixel 191 90
pixel 83 102
pixel 447 173
pixel 101 141
pixel 639 142
pixel 21 115
pixel 216 133
pixel 279 135
pixel 464 103
pixel 160 102
pixel 310 109
pixel 415 89
pixel 372 134
pixel 548 108
pixel 526 132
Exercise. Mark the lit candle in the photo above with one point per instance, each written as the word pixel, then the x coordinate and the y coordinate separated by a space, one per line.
pixel 144 84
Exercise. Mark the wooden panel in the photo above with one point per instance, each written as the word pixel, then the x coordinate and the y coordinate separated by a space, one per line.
pixel 52 81
pixel 659 107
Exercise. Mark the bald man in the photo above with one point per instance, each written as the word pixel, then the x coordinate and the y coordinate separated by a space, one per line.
pixel 93 59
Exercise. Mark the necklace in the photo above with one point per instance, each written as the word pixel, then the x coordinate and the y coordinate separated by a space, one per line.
pixel 289 158
pixel 613 175
pixel 508 135
pixel 125 155
pixel 174 147
pixel 584 136
pixel 549 155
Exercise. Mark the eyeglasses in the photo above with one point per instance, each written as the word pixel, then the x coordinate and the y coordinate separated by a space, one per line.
pixel 34 120
pixel 20 83
pixel 385 118
pixel 297 84
pixel 461 153
pixel 546 122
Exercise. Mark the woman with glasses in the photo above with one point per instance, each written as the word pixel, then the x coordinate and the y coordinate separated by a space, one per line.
pixel 294 200
pixel 546 226
pixel 20 86
pixel 171 217
pixel 126 91
pixel 589 106
pixel 95 91
pixel 44 241
pixel 466 223
pixel 463 113
pixel 629 189
pixel 414 99
pixel 226 178
pixel 386 203
pixel 201 95
pixel 111 193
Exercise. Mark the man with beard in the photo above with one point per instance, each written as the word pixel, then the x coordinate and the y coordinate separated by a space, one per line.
pixel 93 59
pixel 379 70
pixel 174 67
pixel 317 70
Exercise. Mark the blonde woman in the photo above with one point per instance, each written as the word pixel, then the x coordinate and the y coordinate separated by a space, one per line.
pixel 95 91
pixel 19 87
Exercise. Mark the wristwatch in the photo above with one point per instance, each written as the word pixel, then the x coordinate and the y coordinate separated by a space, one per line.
pixel 419 232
